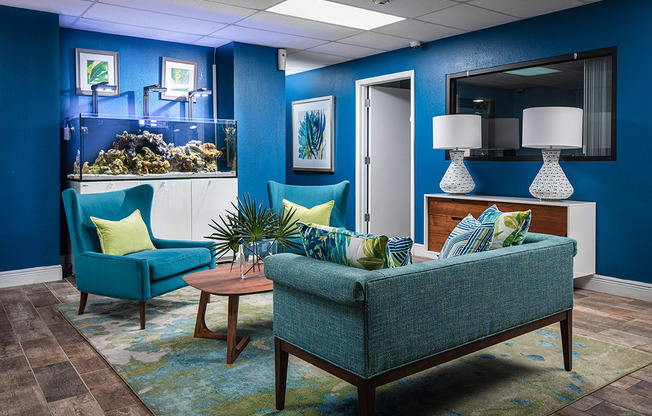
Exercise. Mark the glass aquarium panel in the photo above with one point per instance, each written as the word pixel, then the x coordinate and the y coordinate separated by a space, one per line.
pixel 107 147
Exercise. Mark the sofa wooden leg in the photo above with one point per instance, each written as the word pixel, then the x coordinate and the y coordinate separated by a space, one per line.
pixel 82 302
pixel 142 315
pixel 566 327
pixel 281 371
pixel 367 397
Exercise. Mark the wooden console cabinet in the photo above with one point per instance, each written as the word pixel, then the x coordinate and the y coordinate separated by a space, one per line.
pixel 572 219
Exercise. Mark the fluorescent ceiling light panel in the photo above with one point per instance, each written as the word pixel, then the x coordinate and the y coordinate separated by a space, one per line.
pixel 531 72
pixel 334 13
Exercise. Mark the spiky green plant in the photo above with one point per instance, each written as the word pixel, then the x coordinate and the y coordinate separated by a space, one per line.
pixel 250 222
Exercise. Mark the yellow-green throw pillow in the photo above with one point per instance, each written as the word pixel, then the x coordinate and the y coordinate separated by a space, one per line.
pixel 319 214
pixel 128 235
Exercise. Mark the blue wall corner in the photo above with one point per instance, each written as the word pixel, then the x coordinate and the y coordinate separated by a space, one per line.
pixel 259 103
pixel 29 99
pixel 225 81
pixel 621 189
pixel 140 66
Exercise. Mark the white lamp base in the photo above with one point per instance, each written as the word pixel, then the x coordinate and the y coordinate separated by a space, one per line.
pixel 551 184
pixel 457 180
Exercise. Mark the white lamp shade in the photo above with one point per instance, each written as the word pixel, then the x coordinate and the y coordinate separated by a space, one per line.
pixel 457 131
pixel 552 127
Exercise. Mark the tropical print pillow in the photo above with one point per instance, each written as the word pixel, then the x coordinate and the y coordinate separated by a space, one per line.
pixel 510 228
pixel 399 251
pixel 469 236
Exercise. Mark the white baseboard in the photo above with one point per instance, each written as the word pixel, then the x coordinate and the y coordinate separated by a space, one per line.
pixel 29 276
pixel 614 286
pixel 420 250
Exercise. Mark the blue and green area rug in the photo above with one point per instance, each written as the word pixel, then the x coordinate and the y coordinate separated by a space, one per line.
pixel 176 374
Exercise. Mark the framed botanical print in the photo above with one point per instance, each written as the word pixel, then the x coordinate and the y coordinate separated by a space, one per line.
pixel 92 67
pixel 179 76
pixel 312 134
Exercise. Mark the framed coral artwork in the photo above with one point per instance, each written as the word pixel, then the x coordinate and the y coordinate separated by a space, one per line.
pixel 312 134
pixel 92 67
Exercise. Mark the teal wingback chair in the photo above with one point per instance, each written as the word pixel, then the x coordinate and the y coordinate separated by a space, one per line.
pixel 309 196
pixel 137 276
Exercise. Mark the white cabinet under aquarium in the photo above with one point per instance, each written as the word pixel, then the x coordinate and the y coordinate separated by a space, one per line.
pixel 191 164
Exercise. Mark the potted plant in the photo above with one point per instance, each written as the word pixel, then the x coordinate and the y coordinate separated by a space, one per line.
pixel 252 232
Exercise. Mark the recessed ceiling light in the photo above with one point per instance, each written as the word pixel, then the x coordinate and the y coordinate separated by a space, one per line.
pixel 530 72
pixel 335 13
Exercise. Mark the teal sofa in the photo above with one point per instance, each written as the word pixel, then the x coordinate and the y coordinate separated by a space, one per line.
pixel 373 327
pixel 310 196
pixel 137 276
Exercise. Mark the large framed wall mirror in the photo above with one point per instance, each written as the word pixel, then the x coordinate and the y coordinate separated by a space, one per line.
pixel 500 94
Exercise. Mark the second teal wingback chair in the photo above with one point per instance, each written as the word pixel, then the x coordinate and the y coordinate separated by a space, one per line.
pixel 309 196
pixel 138 276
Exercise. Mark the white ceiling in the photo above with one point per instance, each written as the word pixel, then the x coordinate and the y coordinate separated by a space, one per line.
pixel 310 44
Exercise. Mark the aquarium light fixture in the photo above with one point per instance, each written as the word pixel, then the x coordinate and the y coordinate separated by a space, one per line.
pixel 146 91
pixel 96 89
pixel 335 13
pixel 199 92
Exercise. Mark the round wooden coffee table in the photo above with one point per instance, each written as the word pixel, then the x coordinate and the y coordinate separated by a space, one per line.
pixel 224 281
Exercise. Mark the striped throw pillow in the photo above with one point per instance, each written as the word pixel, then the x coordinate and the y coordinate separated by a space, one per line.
pixel 469 236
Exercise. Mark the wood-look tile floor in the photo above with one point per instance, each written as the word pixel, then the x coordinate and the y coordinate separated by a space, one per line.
pixel 47 368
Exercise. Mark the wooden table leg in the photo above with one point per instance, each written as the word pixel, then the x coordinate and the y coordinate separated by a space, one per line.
pixel 234 343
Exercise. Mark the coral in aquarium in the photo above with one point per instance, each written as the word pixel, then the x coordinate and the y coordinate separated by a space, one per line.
pixel 311 135
pixel 147 153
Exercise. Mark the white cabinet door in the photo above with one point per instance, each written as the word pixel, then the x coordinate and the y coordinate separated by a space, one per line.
pixel 171 209
pixel 101 186
pixel 210 199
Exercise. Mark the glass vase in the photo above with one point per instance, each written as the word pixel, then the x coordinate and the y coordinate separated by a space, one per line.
pixel 251 255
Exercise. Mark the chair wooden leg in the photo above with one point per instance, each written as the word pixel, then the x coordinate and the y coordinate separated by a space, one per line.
pixel 281 372
pixel 566 327
pixel 367 398
pixel 142 315
pixel 82 302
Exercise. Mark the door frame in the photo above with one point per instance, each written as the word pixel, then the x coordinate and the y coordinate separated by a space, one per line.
pixel 361 143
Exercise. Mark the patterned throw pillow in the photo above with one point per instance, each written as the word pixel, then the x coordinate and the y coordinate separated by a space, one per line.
pixel 510 228
pixel 343 247
pixel 469 236
pixel 399 251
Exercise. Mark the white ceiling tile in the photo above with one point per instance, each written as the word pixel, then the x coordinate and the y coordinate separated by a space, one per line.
pixel 526 8
pixel 466 17
pixel 197 9
pixel 66 21
pixel 405 8
pixel 140 18
pixel 341 49
pixel 418 30
pixel 139 32
pixel 251 4
pixel 265 38
pixel 377 40
pixel 69 7
pixel 211 42
pixel 318 58
pixel 295 26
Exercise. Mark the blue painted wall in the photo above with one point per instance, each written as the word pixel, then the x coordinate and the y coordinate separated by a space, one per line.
pixel 622 189
pixel 259 108
pixel 140 65
pixel 29 116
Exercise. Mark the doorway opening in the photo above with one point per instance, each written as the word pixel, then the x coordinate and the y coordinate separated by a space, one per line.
pixel 385 155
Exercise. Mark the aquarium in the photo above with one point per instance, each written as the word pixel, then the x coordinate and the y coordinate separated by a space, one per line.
pixel 113 148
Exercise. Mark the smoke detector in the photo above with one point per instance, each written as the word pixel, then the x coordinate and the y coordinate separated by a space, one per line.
pixel 381 2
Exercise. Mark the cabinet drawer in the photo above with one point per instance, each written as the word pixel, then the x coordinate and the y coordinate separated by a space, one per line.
pixel 546 219
pixel 456 207
pixel 442 224
pixel 436 241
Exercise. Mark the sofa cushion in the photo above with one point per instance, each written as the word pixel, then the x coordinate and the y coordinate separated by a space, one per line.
pixel 344 247
pixel 510 228
pixel 128 235
pixel 168 262
pixel 319 214
pixel 399 251
pixel 469 236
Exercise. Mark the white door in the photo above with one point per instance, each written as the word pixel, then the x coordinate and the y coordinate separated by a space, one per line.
pixel 388 147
